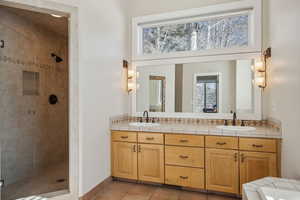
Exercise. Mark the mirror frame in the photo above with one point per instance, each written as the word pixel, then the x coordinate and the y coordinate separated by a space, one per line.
pixel 256 115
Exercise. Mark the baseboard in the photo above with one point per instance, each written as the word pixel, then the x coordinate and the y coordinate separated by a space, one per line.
pixel 93 192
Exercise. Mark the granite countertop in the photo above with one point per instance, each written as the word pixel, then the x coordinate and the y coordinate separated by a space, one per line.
pixel 199 129
pixel 251 190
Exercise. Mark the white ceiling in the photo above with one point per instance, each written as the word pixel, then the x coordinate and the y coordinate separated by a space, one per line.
pixel 56 25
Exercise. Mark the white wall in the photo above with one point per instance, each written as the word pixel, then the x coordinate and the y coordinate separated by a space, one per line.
pixel 283 93
pixel 103 34
pixel 146 7
pixel 244 86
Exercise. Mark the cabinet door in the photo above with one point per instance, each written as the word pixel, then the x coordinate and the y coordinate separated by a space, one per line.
pixel 151 163
pixel 255 165
pixel 124 160
pixel 222 170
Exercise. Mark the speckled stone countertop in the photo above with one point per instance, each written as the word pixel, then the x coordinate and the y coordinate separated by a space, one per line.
pixel 251 190
pixel 199 129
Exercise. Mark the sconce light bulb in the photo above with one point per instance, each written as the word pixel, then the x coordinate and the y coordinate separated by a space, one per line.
pixel 260 81
pixel 259 66
pixel 130 73
pixel 130 86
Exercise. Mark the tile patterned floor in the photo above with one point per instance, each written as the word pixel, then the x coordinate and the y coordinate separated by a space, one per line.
pixel 130 191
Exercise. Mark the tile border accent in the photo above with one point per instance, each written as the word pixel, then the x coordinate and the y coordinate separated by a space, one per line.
pixel 269 123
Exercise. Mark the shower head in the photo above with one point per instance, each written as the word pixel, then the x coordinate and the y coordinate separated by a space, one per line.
pixel 56 58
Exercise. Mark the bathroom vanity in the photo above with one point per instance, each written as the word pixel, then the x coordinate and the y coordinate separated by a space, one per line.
pixel 194 156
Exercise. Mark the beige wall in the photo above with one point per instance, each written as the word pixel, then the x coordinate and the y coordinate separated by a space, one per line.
pixel 283 94
pixel 33 133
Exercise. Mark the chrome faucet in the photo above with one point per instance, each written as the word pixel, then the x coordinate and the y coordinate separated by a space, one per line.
pixel 234 119
pixel 147 115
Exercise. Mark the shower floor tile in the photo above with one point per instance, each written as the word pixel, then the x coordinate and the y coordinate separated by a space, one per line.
pixel 52 179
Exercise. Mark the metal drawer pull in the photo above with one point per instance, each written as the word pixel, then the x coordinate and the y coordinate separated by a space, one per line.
pixel 124 137
pixel 184 177
pixel 150 138
pixel 183 157
pixel 258 146
pixel 221 143
pixel 184 141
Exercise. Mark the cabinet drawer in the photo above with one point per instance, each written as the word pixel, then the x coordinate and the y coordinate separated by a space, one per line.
pixel 184 140
pixel 151 138
pixel 260 145
pixel 124 136
pixel 184 156
pixel 185 177
pixel 221 142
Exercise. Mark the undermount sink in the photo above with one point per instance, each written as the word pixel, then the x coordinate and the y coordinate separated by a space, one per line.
pixel 236 128
pixel 141 124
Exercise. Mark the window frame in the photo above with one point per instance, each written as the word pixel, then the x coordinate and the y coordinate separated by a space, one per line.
pixel 219 89
pixel 253 7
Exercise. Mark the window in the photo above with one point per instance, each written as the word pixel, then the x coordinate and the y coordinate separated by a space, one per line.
pixel 206 94
pixel 228 28
pixel 218 33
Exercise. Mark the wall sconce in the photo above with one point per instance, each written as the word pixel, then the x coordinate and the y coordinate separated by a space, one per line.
pixel 130 76
pixel 261 69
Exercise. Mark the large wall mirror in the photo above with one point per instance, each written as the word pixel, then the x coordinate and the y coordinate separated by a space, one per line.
pixel 208 89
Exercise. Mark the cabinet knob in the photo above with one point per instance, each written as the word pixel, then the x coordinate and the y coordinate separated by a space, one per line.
pixel 150 138
pixel 242 157
pixel 221 143
pixel 236 156
pixel 124 137
pixel 134 148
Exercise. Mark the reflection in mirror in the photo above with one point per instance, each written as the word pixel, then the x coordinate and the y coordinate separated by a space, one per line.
pixel 157 93
pixel 205 95
pixel 207 87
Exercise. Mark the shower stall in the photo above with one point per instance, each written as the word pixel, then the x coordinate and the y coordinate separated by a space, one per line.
pixel 34 141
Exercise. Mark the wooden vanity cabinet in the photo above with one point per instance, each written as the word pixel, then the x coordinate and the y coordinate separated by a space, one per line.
pixel 151 163
pixel 216 163
pixel 138 156
pixel 222 170
pixel 124 160
pixel 259 158
pixel 256 165
pixel 185 161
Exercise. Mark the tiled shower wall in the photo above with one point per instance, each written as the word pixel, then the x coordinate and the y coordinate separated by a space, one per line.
pixel 33 133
